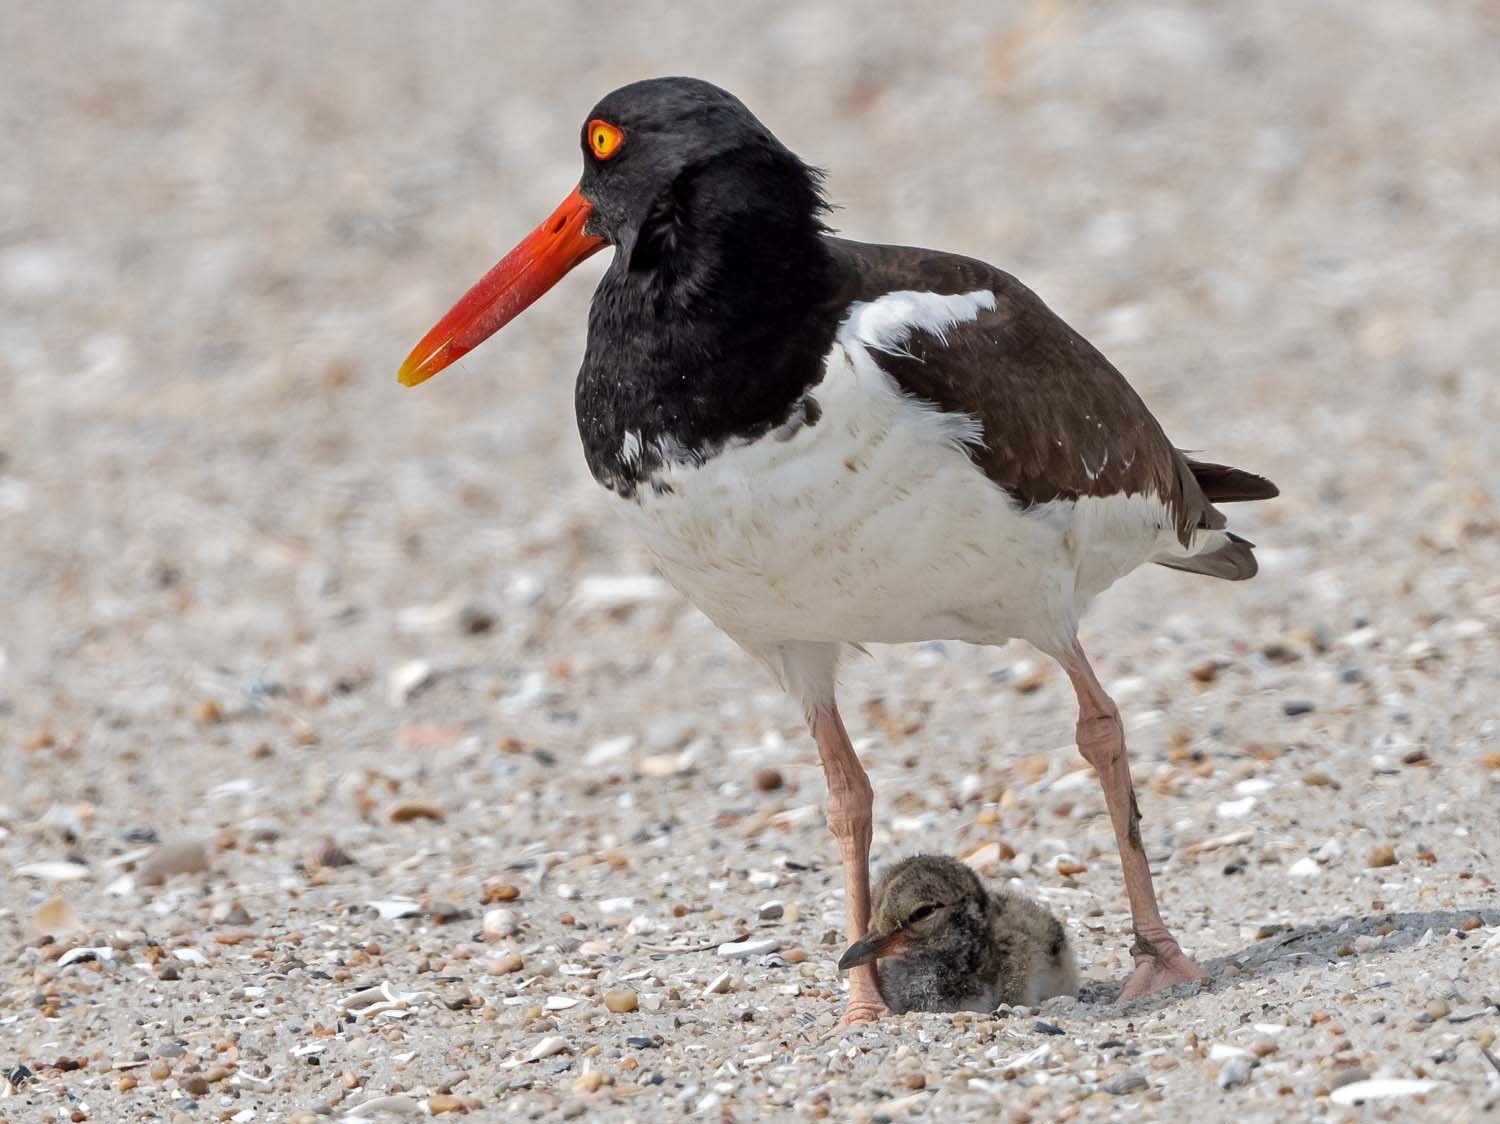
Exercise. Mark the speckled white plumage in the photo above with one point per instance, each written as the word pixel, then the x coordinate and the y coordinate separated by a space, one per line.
pixel 872 524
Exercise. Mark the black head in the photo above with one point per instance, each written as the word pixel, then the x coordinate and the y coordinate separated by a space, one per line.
pixel 689 187
pixel 669 157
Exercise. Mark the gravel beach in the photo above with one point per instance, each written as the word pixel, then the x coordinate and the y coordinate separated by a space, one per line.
pixel 355 765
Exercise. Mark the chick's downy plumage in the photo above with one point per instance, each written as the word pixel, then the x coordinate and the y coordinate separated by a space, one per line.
pixel 948 942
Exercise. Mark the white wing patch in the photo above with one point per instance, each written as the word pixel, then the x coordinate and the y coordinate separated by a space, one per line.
pixel 887 323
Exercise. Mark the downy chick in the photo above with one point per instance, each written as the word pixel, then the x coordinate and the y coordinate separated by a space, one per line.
pixel 947 942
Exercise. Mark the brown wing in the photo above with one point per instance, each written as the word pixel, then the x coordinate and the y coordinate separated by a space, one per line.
pixel 1059 421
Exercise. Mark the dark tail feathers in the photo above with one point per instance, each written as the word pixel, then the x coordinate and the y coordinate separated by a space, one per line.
pixel 1222 484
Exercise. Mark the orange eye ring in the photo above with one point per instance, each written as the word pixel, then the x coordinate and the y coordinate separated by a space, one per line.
pixel 604 138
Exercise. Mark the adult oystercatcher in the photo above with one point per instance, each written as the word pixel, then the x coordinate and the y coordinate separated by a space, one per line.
pixel 825 442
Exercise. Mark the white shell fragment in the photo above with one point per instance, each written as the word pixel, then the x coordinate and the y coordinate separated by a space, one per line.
pixel 1379 1088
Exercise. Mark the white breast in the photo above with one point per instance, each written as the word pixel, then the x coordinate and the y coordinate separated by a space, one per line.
pixel 872 524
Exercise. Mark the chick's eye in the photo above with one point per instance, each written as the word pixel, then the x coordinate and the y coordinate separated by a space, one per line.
pixel 604 138
pixel 921 912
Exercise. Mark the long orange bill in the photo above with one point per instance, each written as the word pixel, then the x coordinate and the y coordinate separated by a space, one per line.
pixel 502 294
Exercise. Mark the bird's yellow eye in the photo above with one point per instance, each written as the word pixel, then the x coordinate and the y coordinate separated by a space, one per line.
pixel 604 138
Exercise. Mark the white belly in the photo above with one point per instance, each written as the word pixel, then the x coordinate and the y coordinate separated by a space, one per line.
pixel 874 525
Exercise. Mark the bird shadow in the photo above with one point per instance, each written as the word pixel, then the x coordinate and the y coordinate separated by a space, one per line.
pixel 1293 950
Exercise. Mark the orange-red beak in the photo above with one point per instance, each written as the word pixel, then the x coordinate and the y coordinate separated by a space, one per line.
pixel 502 294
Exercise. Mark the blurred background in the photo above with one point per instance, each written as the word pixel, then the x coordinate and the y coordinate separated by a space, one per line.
pixel 234 551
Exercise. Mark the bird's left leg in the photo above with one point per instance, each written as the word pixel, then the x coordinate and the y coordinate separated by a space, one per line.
pixel 1159 960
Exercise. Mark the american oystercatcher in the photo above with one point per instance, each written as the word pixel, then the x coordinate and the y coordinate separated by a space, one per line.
pixel 826 443
pixel 947 942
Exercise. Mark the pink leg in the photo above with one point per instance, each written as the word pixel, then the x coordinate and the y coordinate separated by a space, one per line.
pixel 851 803
pixel 1159 960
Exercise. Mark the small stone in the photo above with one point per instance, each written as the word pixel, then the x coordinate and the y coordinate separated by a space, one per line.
pixel 621 1002
pixel 916 1080
pixel 1382 854
pixel 1207 671
pixel 589 1082
pixel 197 1085
pixel 1297 708
pixel 771 911
pixel 168 971
pixel 499 892
pixel 160 1070
pixel 411 810
pixel 189 856
pixel 55 917
pixel 500 923
pixel 794 955
pixel 506 963
pixel 1346 1075
pixel 331 855
pixel 769 780
pixel 1305 867
pixel 439 1103
pixel 1128 1082
pixel 1439 1009
pixel 1234 1072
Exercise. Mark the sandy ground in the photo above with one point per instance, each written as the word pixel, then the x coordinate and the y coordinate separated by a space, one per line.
pixel 279 639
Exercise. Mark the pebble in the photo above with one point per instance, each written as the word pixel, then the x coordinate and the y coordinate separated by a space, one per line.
pixel 621 1001
pixel 189 856
pixel 739 950
pixel 411 810
pixel 1128 1082
pixel 1382 854
pixel 1305 867
pixel 440 1103
pixel 1234 1072
pixel 1331 851
pixel 499 892
pixel 55 917
pixel 771 911
pixel 768 780
pixel 500 923
pixel 505 963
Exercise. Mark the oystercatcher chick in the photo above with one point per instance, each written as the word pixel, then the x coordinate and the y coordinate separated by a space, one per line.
pixel 826 443
pixel 947 942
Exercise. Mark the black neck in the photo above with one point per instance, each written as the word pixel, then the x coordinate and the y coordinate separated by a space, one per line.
pixel 712 321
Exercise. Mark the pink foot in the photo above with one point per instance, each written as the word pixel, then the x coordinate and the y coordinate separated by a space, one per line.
pixel 865 1002
pixel 862 1011
pixel 1160 965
